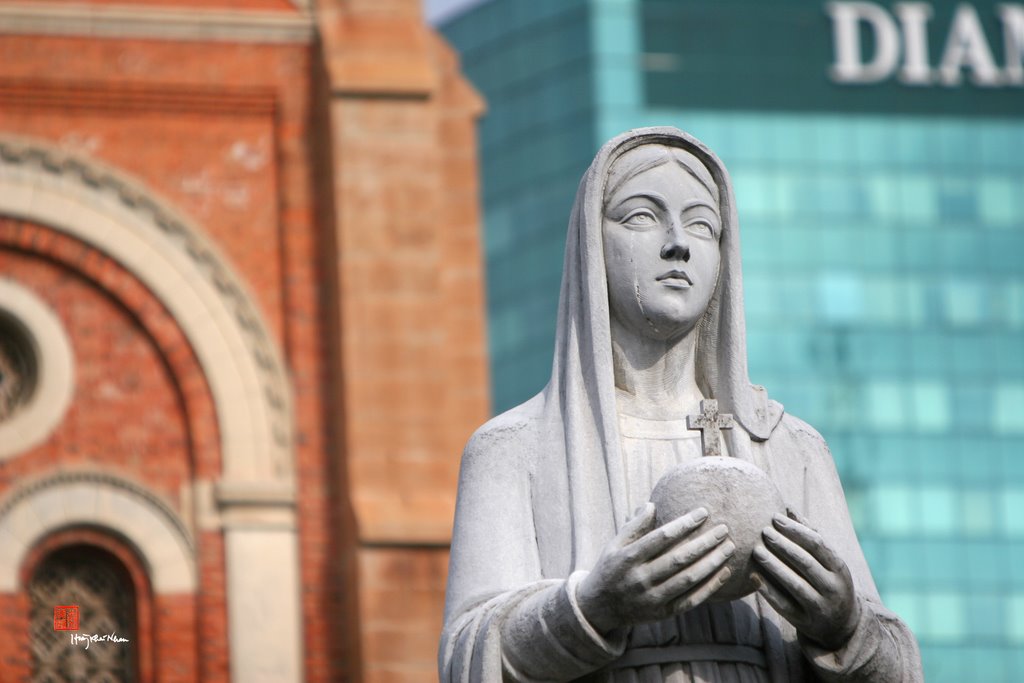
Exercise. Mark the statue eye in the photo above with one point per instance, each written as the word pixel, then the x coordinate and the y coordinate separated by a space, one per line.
pixel 641 218
pixel 702 228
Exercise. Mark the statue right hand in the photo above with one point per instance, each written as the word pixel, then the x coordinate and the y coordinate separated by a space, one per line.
pixel 647 573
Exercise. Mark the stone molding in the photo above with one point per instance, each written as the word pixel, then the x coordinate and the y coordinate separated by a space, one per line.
pixel 54 384
pixel 99 499
pixel 125 220
pixel 162 23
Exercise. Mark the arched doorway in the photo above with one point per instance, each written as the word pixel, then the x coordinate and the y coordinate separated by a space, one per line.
pixel 102 587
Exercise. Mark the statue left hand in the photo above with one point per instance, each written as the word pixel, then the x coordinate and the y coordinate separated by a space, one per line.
pixel 807 582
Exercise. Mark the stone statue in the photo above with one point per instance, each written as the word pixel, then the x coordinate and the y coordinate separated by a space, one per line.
pixel 745 567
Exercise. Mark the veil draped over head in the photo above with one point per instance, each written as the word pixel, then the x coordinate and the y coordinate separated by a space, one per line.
pixel 579 401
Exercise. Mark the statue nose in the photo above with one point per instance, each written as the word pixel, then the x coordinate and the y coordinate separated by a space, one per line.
pixel 676 247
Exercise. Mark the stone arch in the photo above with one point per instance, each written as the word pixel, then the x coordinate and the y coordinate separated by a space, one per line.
pixel 112 281
pixel 97 499
pixel 255 496
pixel 185 271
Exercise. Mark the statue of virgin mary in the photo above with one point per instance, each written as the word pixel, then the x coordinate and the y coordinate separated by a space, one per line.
pixel 561 568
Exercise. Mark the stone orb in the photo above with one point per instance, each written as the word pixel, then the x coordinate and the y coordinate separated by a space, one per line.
pixel 735 493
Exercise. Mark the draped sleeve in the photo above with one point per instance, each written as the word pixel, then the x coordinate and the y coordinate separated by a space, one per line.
pixel 504 620
pixel 882 648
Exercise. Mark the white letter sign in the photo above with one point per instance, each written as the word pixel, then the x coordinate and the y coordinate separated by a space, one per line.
pixel 849 66
pixel 904 33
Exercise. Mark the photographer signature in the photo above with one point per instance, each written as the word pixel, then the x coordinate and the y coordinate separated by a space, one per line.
pixel 88 639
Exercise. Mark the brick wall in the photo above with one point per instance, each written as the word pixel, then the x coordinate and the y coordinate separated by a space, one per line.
pixel 221 132
pixel 140 409
pixel 346 198
pixel 407 257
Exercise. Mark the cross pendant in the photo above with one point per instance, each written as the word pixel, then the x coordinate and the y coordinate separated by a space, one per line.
pixel 710 423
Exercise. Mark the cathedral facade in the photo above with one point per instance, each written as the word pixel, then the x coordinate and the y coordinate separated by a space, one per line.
pixel 241 338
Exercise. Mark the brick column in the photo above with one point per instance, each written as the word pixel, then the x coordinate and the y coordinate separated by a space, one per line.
pixel 412 351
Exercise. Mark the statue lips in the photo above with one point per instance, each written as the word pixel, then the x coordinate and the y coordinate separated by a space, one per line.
pixel 677 279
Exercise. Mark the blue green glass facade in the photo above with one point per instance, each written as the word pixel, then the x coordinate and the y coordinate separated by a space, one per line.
pixel 883 244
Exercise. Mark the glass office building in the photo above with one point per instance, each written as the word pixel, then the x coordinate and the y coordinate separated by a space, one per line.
pixel 877 151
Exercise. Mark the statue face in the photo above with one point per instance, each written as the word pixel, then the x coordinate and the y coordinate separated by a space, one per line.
pixel 661 230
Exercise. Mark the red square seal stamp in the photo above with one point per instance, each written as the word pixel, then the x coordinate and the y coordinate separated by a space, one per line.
pixel 65 618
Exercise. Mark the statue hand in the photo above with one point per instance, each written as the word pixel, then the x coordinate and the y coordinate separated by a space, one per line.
pixel 807 582
pixel 647 573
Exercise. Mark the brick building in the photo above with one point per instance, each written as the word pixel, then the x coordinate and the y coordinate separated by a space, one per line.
pixel 241 336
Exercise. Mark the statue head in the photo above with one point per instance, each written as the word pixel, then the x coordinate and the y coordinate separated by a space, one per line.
pixel 610 285
pixel 661 228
